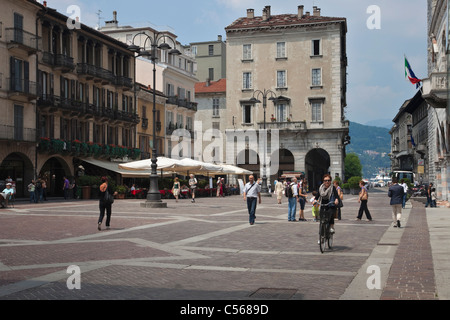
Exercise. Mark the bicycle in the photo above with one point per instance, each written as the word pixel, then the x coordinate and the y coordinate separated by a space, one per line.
pixel 325 236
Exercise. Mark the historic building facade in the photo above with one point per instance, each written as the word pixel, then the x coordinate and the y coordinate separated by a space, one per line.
pixel 69 96
pixel 295 65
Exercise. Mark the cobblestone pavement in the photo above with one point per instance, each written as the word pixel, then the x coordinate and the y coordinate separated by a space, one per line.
pixel 203 251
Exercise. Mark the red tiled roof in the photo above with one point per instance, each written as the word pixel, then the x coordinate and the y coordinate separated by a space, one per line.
pixel 280 20
pixel 214 86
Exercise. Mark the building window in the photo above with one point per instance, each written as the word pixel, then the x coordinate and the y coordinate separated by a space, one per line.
pixel 315 47
pixel 281 112
pixel 194 50
pixel 281 50
pixel 211 74
pixel 18 122
pixel 247 80
pixel 211 50
pixel 247 52
pixel 281 79
pixel 215 107
pixel 316 77
pixel 316 108
pixel 247 113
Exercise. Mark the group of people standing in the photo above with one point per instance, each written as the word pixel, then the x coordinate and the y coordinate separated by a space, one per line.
pixel 38 190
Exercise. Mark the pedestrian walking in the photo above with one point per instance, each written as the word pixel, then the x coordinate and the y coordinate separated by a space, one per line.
pixel 252 193
pixel 433 197
pixel 429 201
pixel 106 199
pixel 292 195
pixel 44 189
pixel 279 187
pixel 31 188
pixel 341 196
pixel 176 189
pixel 192 186
pixel 302 199
pixel 37 190
pixel 315 205
pixel 396 193
pixel 363 199
pixel 66 188
pixel 405 189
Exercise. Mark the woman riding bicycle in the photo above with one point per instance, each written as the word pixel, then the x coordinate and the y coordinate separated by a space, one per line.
pixel 328 192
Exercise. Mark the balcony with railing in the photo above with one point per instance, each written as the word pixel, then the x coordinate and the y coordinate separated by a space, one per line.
pixel 58 61
pixel 435 89
pixel 73 107
pixel 19 40
pixel 285 125
pixel 21 89
pixel 12 133
pixel 86 149
pixel 182 103
pixel 98 74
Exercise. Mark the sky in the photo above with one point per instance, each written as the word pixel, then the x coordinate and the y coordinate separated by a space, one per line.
pixel 380 34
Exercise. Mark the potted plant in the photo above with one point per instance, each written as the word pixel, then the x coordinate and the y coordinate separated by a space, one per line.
pixel 121 190
pixel 273 119
pixel 85 182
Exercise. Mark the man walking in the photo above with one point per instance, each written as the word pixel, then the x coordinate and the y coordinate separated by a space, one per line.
pixel 292 194
pixel 396 193
pixel 252 192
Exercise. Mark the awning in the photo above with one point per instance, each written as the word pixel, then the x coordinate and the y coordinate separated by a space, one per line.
pixel 114 166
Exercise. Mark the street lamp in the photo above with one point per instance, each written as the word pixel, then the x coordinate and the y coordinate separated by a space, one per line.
pixel 157 41
pixel 264 189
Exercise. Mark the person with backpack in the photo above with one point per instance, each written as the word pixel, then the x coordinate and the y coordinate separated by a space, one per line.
pixel 292 195
pixel 106 199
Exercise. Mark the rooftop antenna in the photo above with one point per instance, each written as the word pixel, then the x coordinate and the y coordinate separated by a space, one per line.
pixel 99 18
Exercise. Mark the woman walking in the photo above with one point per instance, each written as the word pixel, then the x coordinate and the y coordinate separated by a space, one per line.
pixel 363 198
pixel 176 189
pixel 106 198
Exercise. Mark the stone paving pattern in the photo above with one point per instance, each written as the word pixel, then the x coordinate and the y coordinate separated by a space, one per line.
pixel 204 251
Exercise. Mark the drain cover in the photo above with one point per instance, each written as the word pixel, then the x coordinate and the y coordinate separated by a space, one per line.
pixel 273 293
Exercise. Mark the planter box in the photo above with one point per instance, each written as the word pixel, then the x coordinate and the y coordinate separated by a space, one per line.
pixel 86 192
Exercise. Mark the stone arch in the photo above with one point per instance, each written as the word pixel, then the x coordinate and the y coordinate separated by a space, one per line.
pixel 317 163
pixel 53 170
pixel 286 162
pixel 20 168
pixel 246 160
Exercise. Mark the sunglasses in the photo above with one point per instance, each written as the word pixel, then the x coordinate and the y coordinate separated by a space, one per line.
pixel 326 180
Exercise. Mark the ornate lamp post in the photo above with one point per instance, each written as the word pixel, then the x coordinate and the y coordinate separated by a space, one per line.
pixel 264 189
pixel 157 41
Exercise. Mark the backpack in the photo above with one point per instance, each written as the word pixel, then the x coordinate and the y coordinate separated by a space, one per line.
pixel 288 192
pixel 109 198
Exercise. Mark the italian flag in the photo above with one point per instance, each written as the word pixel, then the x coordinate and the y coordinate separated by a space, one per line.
pixel 409 74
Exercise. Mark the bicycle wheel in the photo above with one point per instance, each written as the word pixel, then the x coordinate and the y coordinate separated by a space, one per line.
pixel 322 237
pixel 330 240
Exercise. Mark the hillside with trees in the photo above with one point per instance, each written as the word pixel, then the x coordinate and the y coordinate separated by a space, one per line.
pixel 372 145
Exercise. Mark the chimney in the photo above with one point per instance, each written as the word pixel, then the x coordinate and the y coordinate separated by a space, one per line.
pixel 115 15
pixel 307 13
pixel 266 13
pixel 300 11
pixel 219 38
pixel 208 82
pixel 316 11
pixel 250 13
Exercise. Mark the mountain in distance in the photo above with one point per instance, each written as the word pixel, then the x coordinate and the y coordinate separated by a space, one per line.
pixel 372 144
pixel 382 123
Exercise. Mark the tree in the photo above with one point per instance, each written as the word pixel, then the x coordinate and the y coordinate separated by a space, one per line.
pixel 353 167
